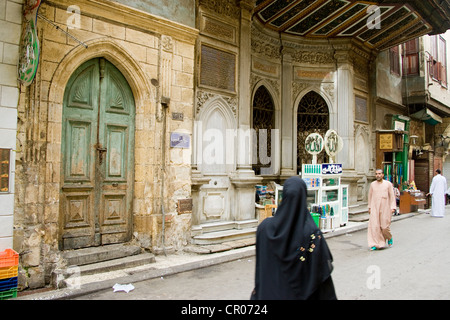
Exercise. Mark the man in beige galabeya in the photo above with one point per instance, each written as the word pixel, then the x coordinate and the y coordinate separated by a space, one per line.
pixel 381 206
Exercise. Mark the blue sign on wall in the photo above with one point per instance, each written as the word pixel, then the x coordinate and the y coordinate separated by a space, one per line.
pixel 179 140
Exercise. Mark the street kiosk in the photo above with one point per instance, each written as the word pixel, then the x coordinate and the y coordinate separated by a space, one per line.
pixel 327 198
pixel 326 195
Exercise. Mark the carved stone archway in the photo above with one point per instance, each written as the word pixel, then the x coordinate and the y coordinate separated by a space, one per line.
pixel 312 116
pixel 141 88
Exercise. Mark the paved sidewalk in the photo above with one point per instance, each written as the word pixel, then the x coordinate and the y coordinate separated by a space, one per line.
pixel 170 264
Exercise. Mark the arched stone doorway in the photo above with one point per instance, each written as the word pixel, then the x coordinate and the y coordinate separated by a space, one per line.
pixel 97 150
pixel 145 103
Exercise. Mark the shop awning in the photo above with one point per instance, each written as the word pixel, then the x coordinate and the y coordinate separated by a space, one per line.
pixel 427 116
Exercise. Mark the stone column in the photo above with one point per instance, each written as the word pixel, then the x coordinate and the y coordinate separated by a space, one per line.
pixel 244 179
pixel 287 114
pixel 345 122
pixel 244 69
pixel 345 111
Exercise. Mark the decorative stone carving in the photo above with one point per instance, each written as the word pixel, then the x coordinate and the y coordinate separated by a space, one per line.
pixel 275 84
pixel 226 8
pixel 265 45
pixel 218 29
pixel 313 57
pixel 362 128
pixel 329 89
pixel 203 97
pixel 266 49
pixel 166 43
pixel 298 87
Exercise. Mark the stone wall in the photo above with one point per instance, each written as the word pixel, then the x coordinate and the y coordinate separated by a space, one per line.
pixel 143 47
pixel 10 27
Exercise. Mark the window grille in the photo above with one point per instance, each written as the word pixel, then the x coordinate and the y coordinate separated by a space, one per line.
pixel 263 118
pixel 312 116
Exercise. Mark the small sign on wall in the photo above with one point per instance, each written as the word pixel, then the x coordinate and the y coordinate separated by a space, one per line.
pixel 184 206
pixel 386 142
pixel 178 116
pixel 5 155
pixel 179 140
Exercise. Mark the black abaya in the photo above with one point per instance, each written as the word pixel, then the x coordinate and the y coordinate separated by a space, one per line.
pixel 293 261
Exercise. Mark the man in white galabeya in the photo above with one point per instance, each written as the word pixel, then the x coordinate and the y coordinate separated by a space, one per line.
pixel 437 191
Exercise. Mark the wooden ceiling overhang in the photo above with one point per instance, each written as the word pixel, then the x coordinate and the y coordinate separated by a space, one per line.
pixel 399 21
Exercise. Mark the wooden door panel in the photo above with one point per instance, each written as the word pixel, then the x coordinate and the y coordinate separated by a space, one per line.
pixel 116 160
pixel 97 157
pixel 78 156
pixel 114 220
pixel 421 175
pixel 82 93
pixel 117 93
pixel 117 109
pixel 79 142
pixel 77 223
pixel 78 207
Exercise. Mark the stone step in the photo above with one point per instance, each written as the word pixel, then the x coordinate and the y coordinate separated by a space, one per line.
pixel 361 217
pixel 358 212
pixel 223 226
pixel 358 208
pixel 213 227
pixel 117 264
pixel 71 275
pixel 244 224
pixel 85 256
pixel 224 246
pixel 223 236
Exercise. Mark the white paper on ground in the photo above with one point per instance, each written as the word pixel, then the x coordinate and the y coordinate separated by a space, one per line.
pixel 123 287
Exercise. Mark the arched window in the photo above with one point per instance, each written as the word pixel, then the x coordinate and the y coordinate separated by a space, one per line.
pixel 263 119
pixel 312 116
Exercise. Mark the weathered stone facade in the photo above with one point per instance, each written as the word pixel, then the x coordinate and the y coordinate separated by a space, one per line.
pixel 10 26
pixel 190 77
pixel 143 47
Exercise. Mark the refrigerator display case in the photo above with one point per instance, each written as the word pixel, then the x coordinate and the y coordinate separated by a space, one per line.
pixel 344 205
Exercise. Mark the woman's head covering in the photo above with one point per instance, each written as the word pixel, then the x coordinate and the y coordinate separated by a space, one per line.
pixel 291 243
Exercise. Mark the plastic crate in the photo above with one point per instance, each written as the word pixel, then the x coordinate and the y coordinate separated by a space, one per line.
pixel 11 293
pixel 9 258
pixel 7 284
pixel 9 272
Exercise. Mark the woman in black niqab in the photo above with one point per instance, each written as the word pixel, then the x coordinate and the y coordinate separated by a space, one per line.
pixel 293 261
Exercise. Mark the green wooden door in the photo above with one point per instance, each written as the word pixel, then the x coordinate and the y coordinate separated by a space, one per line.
pixel 97 157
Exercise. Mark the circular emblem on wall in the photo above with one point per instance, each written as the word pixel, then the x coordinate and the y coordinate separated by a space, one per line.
pixel 333 143
pixel 314 143
pixel 29 44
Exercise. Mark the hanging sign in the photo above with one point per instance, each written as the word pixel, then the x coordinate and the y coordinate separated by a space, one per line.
pixel 386 141
pixel 331 168
pixel 29 43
